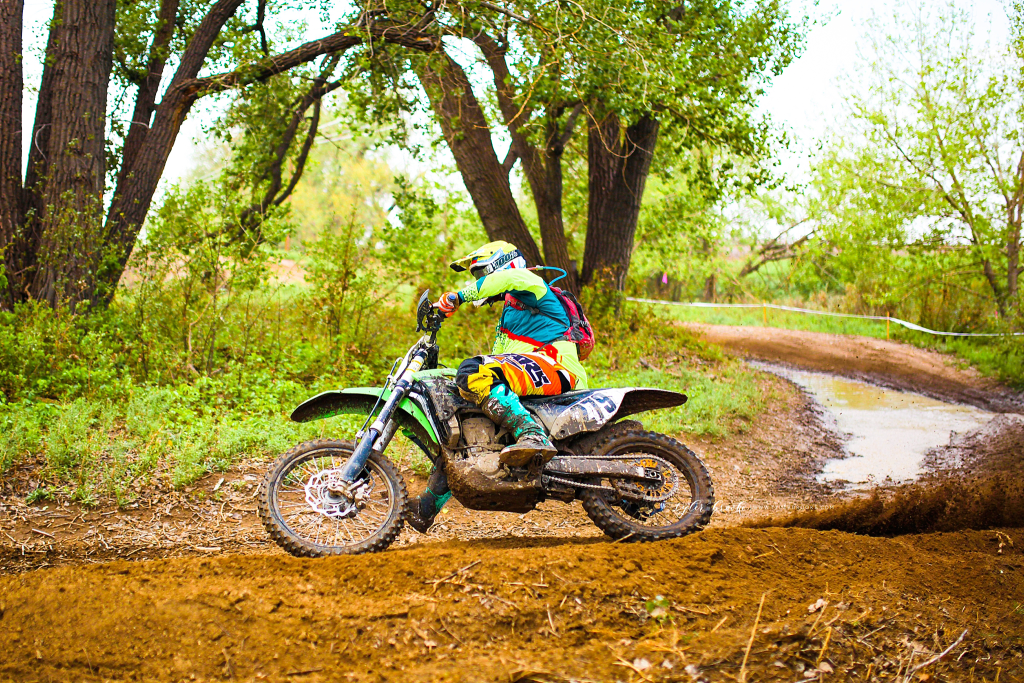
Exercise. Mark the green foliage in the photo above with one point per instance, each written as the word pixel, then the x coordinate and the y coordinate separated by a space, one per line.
pixel 112 442
pixel 702 66
pixel 698 69
pixel 680 237
pixel 215 337
pixel 347 179
pixel 1002 358
pixel 39 494
pixel 21 426
pixel 916 199
pixel 658 609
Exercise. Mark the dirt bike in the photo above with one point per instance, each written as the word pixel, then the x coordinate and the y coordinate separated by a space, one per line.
pixel 333 497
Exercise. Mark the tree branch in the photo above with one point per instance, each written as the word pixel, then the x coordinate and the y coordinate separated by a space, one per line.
pixel 149 85
pixel 570 125
pixel 307 52
pixel 774 251
pixel 252 218
pixel 512 15
pixel 510 159
pixel 261 11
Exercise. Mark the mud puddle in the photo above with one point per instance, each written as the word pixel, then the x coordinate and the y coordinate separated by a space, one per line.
pixel 890 431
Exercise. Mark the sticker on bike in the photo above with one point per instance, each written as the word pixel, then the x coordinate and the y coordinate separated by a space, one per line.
pixel 599 406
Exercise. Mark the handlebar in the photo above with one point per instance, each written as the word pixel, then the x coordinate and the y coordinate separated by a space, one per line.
pixel 428 318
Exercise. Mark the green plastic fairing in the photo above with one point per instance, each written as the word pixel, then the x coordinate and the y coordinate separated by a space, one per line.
pixel 360 401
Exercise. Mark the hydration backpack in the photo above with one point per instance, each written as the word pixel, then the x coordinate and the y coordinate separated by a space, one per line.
pixel 580 332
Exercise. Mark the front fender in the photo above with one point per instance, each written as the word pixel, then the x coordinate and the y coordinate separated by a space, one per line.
pixel 360 401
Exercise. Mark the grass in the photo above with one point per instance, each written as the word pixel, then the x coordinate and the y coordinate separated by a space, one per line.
pixel 92 447
pixel 644 351
pixel 755 317
pixel 723 397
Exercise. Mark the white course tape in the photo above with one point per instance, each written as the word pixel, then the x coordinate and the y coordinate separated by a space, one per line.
pixel 793 309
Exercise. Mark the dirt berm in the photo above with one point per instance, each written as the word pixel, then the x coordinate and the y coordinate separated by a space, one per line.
pixel 793 604
pixel 886 363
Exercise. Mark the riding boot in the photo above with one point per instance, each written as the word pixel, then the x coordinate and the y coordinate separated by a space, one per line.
pixel 421 511
pixel 504 408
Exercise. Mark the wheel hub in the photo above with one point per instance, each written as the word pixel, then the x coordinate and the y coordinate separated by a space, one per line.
pixel 332 496
pixel 661 484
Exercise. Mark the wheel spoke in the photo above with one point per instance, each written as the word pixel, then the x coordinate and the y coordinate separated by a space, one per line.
pixel 319 528
pixel 646 515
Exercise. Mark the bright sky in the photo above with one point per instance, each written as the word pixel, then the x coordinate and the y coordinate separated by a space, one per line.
pixel 804 100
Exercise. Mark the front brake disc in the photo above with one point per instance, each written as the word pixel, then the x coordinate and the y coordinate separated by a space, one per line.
pixel 320 497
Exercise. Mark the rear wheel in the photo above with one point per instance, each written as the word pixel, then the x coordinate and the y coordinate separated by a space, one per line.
pixel 689 495
pixel 304 518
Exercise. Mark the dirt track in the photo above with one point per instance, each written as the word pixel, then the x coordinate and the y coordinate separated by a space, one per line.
pixel 540 597
pixel 887 363
pixel 499 611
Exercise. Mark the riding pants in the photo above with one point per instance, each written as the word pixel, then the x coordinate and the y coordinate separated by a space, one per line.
pixel 525 374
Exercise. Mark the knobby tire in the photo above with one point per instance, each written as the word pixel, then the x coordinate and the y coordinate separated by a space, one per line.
pixel 616 522
pixel 301 547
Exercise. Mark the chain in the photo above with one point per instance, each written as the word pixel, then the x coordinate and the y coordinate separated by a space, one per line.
pixel 578 484
pixel 647 498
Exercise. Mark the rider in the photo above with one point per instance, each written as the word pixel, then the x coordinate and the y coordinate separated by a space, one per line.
pixel 530 357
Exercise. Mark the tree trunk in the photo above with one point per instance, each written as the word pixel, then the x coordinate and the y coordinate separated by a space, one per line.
pixel 543 170
pixel 468 136
pixel 11 195
pixel 1013 265
pixel 1014 215
pixel 709 288
pixel 548 198
pixel 133 198
pixel 619 162
pixel 72 169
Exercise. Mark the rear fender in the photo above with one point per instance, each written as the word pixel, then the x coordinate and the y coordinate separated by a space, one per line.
pixel 410 416
pixel 589 411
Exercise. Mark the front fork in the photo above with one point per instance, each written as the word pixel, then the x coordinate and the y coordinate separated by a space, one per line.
pixel 383 429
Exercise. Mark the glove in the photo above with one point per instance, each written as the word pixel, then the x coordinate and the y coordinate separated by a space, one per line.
pixel 447 304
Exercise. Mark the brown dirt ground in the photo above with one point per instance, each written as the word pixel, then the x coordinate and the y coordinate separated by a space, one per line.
pixel 202 595
pixel 835 607
pixel 997 447
pixel 886 363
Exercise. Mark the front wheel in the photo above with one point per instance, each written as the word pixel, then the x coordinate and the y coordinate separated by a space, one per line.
pixel 304 518
pixel 689 495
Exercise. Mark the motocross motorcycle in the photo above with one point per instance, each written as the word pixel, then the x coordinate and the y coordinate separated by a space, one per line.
pixel 334 497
